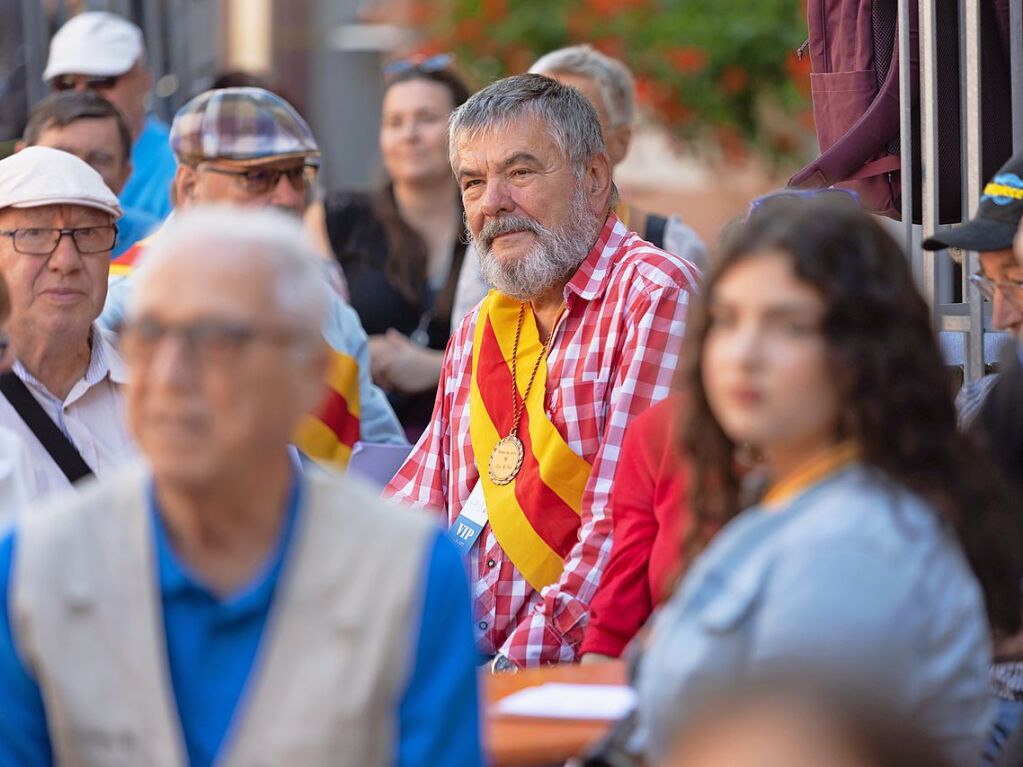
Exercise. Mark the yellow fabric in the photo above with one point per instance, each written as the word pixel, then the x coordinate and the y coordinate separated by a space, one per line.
pixel 314 437
pixel 812 472
pixel 561 469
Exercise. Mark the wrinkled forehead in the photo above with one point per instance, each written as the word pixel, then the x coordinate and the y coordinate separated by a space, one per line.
pixel 505 138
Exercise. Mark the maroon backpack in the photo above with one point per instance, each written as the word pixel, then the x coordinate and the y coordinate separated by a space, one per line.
pixel 854 56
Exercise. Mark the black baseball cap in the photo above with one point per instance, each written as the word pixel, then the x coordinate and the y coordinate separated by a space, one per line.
pixel 998 215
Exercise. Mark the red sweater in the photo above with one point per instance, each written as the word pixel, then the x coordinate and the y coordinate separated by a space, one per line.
pixel 648 508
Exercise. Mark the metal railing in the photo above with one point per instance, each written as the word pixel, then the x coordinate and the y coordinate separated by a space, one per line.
pixel 970 317
pixel 183 42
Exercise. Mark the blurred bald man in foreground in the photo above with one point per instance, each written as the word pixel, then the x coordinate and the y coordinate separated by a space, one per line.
pixel 182 561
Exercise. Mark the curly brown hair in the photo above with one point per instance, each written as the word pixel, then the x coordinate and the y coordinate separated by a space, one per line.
pixel 897 399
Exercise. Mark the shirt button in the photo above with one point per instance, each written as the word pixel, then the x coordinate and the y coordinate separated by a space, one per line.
pixel 491 563
pixel 483 625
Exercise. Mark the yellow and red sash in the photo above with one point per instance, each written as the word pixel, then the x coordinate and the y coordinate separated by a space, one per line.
pixel 536 516
pixel 328 434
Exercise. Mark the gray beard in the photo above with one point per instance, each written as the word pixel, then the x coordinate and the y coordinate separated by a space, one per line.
pixel 555 255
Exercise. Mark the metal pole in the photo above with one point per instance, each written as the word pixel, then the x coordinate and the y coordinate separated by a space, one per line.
pixel 929 140
pixel 1016 61
pixel 36 46
pixel 906 123
pixel 972 170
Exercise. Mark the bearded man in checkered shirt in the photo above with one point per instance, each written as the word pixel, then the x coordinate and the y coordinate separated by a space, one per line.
pixel 581 332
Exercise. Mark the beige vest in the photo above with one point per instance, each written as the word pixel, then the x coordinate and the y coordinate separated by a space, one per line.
pixel 332 664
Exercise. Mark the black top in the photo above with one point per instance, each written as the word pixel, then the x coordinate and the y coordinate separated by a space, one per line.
pixel 360 245
pixel 359 242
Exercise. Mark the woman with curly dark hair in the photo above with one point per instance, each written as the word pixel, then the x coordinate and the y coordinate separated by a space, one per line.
pixel 812 350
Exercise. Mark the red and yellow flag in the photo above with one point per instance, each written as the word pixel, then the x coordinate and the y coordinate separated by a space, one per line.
pixel 328 434
pixel 124 263
pixel 536 516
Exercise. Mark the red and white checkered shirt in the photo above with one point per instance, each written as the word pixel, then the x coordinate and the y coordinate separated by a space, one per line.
pixel 614 353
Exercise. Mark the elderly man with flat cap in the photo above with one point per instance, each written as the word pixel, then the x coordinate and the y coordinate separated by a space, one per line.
pixel 219 606
pixel 249 147
pixel 63 397
pixel 105 53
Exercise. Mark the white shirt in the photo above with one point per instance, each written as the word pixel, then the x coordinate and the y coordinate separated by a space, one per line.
pixel 91 417
pixel 15 477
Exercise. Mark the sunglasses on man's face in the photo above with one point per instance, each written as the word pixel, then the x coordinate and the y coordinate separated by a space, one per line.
pixel 262 180
pixel 70 82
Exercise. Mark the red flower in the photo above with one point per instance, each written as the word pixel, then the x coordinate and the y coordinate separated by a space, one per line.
pixel 733 80
pixel 495 9
pixel 469 31
pixel 688 59
pixel 604 9
pixel 799 71
pixel 731 143
pixel 610 46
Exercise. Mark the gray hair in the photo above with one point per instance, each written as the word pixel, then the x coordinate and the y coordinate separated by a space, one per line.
pixel 267 237
pixel 614 79
pixel 572 118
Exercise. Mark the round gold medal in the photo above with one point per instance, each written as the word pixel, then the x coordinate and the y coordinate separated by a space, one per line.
pixel 506 460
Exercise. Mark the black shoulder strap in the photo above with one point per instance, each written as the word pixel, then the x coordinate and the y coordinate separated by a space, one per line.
pixel 655 228
pixel 60 448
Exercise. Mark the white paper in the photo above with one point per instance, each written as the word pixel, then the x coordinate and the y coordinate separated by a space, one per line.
pixel 570 701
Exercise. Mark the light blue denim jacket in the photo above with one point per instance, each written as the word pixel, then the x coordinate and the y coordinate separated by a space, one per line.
pixel 854 578
pixel 342 330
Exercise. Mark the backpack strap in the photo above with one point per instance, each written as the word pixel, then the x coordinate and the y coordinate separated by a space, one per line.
pixel 61 449
pixel 655 229
pixel 847 158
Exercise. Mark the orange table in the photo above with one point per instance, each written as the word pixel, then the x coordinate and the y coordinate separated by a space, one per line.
pixel 515 741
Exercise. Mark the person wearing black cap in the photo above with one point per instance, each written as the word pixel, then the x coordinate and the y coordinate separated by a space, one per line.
pixel 990 232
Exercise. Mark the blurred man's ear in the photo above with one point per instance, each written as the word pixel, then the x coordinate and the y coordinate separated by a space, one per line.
pixel 313 366
pixel 20 145
pixel 124 176
pixel 618 140
pixel 183 191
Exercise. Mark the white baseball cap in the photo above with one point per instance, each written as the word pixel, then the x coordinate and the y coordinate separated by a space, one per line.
pixel 39 175
pixel 94 43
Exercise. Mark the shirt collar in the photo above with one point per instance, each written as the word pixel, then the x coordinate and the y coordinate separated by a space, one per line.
pixel 593 275
pixel 176 579
pixel 103 361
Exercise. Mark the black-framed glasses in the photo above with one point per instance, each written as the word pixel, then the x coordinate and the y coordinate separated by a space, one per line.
pixel 262 180
pixel 68 82
pixel 39 241
pixel 212 341
pixel 1011 289
pixel 429 64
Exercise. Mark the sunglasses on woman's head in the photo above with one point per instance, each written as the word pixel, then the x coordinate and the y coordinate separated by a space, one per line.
pixel 833 193
pixel 430 64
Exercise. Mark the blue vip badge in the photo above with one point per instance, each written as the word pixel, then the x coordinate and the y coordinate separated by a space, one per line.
pixel 464 533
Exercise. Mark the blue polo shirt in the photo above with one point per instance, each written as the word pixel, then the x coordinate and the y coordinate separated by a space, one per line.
pixel 153 168
pixel 212 644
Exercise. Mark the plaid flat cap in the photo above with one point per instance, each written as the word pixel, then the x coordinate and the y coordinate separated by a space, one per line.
pixel 241 125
